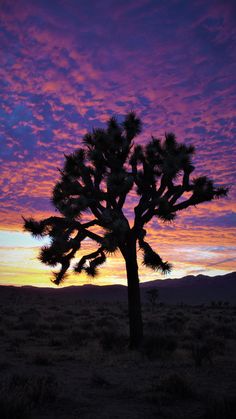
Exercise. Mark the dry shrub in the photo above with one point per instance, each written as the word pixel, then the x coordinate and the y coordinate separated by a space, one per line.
pixel 111 340
pixel 13 406
pixel 159 346
pixel 78 337
pixel 19 394
pixel 42 359
pixel 201 352
pixel 221 407
pixel 178 386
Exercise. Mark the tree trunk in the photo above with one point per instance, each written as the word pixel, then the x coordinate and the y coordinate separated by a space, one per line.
pixel 134 303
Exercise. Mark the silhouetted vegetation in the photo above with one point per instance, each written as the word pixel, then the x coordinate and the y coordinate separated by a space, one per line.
pixel 152 296
pixel 96 180
pixel 86 372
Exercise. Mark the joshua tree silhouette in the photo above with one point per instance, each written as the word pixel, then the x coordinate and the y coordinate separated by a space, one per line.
pixel 152 297
pixel 97 179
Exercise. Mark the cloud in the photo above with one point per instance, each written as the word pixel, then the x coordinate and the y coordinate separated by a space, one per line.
pixel 67 66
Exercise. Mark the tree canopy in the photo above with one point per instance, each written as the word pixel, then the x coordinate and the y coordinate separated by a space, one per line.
pixel 97 178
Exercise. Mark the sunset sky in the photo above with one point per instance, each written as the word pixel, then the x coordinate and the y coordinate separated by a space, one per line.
pixel 67 65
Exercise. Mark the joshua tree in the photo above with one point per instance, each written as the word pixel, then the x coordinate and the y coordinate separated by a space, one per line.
pixel 152 296
pixel 96 179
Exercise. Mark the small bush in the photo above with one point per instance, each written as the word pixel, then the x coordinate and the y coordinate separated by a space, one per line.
pixel 42 389
pixel 85 312
pixel 58 327
pixel 224 330
pixel 26 325
pixel 177 386
pixel 221 408
pixel 201 352
pixel 86 325
pixel 104 322
pixel 55 342
pixel 110 340
pixel 78 337
pixel 161 345
pixel 14 407
pixel 2 332
pixel 41 359
pixel 19 394
pixel 38 332
pixel 98 381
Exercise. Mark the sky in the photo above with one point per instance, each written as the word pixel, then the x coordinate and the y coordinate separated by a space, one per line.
pixel 66 66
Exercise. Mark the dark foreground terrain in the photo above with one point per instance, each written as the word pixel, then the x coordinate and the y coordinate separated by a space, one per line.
pixel 63 357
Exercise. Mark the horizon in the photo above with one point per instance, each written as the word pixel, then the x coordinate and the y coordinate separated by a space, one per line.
pixel 72 67
pixel 142 284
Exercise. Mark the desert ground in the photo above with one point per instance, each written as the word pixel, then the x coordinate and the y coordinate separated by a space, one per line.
pixel 63 357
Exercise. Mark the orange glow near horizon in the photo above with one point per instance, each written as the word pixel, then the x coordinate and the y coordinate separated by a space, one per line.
pixel 20 266
pixel 175 67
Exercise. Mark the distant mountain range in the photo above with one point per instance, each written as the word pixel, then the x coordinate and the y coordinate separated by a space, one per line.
pixel 189 290
pixel 196 289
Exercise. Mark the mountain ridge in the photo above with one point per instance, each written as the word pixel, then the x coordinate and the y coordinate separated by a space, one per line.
pixel 189 289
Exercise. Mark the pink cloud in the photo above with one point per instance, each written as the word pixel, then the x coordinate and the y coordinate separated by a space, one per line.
pixel 69 70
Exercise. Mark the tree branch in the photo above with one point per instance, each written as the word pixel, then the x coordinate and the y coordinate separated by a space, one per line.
pixel 184 204
pixel 80 265
pixel 76 224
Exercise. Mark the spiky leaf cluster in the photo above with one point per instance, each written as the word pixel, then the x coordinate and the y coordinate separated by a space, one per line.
pixel 95 259
pixel 152 260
